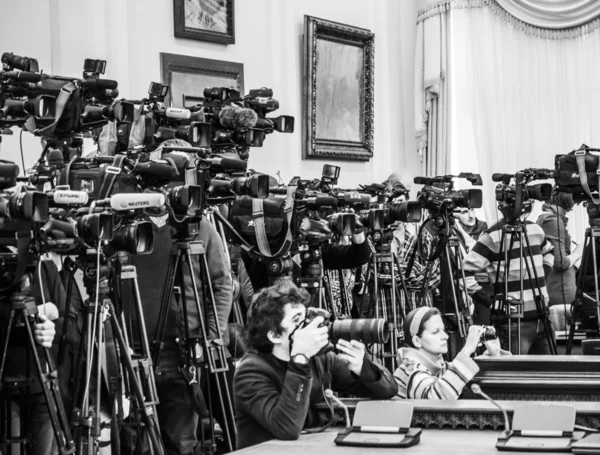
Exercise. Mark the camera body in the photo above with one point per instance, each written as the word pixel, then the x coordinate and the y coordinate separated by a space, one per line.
pixel 439 197
pixel 489 334
pixel 516 199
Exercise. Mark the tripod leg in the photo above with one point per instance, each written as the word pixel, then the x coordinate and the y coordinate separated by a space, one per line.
pixel 148 418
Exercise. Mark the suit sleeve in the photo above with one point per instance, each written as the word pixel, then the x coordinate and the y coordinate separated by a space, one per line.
pixel 374 381
pixel 282 413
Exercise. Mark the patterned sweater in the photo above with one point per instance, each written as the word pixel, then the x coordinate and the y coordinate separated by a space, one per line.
pixel 486 254
pixel 419 377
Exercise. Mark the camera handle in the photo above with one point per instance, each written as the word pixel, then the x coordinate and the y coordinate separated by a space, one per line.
pixel 591 234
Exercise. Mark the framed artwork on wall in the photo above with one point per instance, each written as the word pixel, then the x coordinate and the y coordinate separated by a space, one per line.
pixel 205 20
pixel 187 77
pixel 338 91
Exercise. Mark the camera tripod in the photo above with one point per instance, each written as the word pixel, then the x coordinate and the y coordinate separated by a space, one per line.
pixel 105 353
pixel 313 279
pixel 501 311
pixel 203 359
pixel 22 308
pixel 581 308
pixel 449 250
pixel 383 269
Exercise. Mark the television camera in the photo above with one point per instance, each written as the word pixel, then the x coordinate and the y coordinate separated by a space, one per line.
pixel 517 199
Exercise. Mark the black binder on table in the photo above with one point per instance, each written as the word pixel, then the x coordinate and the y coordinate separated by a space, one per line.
pixel 380 424
pixel 541 427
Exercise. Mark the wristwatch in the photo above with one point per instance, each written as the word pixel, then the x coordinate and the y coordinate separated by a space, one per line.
pixel 301 359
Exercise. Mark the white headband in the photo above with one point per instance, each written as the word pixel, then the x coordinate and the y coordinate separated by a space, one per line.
pixel 416 321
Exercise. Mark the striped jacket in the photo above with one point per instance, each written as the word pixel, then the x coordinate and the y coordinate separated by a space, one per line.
pixel 486 254
pixel 419 377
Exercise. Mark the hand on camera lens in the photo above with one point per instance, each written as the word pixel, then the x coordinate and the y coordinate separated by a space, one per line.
pixel 352 352
pixel 473 339
pixel 43 331
pixel 311 339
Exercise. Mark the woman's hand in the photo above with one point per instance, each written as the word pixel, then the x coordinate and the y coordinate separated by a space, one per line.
pixel 473 339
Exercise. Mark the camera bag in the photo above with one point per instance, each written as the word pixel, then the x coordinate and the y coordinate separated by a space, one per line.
pixel 578 171
pixel 69 104
pixel 108 180
pixel 264 223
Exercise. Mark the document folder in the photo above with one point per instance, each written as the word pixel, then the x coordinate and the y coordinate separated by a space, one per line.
pixel 380 424
pixel 541 427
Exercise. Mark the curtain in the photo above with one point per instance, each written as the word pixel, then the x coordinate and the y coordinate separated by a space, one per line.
pixel 518 100
pixel 432 102
pixel 556 14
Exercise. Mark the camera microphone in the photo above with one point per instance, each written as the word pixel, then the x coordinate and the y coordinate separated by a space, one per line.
pixel 477 390
pixel 421 180
pixel 497 177
pixel 177 113
pixel 70 197
pixel 99 85
pixel 329 394
pixel 25 76
pixel 134 201
pixel 237 118
pixel 227 164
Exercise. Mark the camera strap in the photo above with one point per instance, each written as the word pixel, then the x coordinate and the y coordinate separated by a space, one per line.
pixel 258 216
pixel 110 174
pixel 580 159
pixel 61 101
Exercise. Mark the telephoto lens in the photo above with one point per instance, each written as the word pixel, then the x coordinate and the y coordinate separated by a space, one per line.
pixel 367 331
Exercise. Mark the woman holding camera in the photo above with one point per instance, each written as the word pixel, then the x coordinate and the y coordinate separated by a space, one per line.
pixel 422 371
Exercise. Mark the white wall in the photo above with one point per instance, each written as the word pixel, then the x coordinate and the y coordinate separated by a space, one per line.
pixel 130 34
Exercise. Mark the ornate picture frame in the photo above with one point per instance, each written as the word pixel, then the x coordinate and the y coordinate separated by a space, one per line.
pixel 338 91
pixel 187 77
pixel 205 20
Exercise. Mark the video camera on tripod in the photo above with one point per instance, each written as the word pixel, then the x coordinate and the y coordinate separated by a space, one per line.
pixel 52 106
pixel 515 200
pixel 386 211
pixel 439 197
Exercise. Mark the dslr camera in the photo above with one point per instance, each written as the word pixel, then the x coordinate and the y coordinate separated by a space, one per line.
pixel 367 331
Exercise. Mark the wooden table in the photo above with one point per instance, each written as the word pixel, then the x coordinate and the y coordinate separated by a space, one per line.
pixel 434 442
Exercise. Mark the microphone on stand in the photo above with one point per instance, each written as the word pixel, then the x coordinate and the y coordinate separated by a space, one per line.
pixel 329 394
pixel 477 390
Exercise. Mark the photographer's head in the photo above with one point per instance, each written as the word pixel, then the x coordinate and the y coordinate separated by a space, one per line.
pixel 424 330
pixel 562 200
pixel 274 314
pixel 466 216
pixel 157 153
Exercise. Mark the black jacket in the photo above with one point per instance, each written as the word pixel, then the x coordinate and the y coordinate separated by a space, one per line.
pixel 274 401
